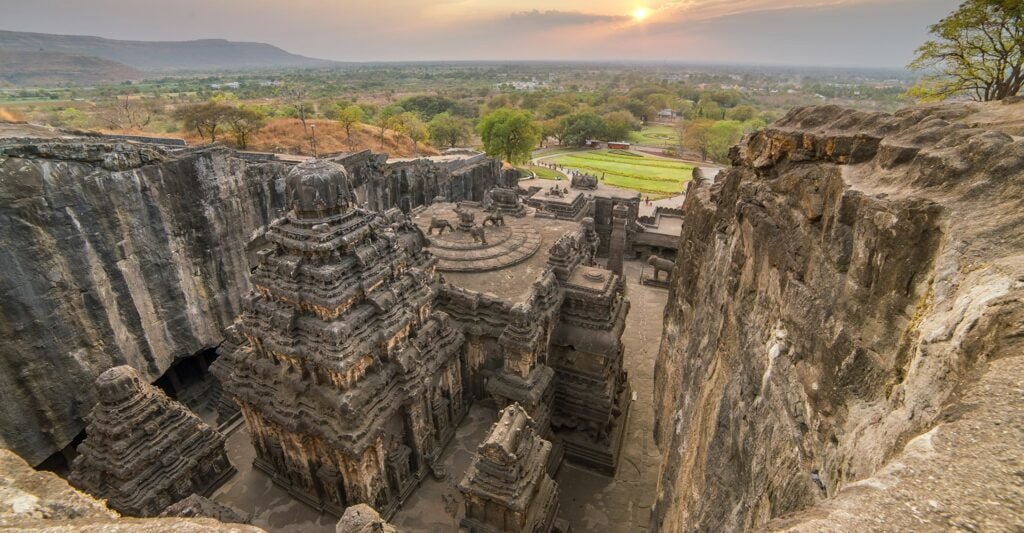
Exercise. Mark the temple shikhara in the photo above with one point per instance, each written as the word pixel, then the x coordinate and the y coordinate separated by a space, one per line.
pixel 350 381
pixel 145 452
pixel 368 334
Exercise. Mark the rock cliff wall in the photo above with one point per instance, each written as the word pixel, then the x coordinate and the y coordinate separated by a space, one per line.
pixel 114 253
pixel 836 293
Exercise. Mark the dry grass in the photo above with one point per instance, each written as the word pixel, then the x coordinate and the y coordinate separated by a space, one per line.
pixel 287 136
pixel 7 115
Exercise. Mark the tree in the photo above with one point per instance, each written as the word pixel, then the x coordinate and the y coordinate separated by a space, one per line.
pixel 618 124
pixel 349 116
pixel 125 113
pixel 582 126
pixel 296 96
pixel 978 50
pixel 721 137
pixel 243 122
pixel 448 130
pixel 709 109
pixel 205 118
pixel 411 125
pixel 741 113
pixel 554 127
pixel 387 119
pixel 695 135
pixel 509 134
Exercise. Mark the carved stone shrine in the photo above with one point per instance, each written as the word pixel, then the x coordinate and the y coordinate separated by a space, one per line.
pixel 144 451
pixel 350 381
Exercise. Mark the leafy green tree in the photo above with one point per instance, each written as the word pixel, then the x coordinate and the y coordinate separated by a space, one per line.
pixel 428 106
pixel 721 137
pixel 347 117
pixel 741 113
pixel 73 117
pixel 411 126
pixel 582 126
pixel 554 127
pixel 695 135
pixel 243 122
pixel 555 109
pixel 205 118
pixel 978 51
pixel 618 124
pixel 509 134
pixel 387 119
pixel 448 130
pixel 709 109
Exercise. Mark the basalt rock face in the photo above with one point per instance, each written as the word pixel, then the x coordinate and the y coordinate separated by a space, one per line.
pixel 835 292
pixel 32 500
pixel 114 253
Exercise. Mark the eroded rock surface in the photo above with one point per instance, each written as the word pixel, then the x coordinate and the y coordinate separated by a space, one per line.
pixel 41 501
pixel 836 291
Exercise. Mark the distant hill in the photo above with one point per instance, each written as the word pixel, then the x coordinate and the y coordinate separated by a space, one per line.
pixel 206 54
pixel 46 68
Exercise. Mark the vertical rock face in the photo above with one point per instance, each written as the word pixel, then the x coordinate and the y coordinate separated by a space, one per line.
pixel 145 451
pixel 834 290
pixel 123 253
pixel 115 253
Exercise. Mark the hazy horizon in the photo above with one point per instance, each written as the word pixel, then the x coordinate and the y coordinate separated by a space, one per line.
pixel 782 33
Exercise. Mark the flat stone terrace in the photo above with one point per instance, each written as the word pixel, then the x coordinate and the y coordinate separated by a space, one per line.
pixel 507 266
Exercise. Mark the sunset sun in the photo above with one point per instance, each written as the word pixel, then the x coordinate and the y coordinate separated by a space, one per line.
pixel 641 13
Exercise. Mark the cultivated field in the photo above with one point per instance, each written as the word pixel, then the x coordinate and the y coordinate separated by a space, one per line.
pixel 631 170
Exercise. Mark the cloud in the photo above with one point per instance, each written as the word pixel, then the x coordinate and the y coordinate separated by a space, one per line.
pixel 555 19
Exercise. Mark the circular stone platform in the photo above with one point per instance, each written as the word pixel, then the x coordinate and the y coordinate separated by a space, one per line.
pixel 456 251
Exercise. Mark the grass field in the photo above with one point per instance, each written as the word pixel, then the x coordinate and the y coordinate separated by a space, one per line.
pixel 656 135
pixel 541 172
pixel 631 170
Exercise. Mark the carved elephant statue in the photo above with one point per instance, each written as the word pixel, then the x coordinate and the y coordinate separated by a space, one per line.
pixel 660 265
pixel 439 224
pixel 496 219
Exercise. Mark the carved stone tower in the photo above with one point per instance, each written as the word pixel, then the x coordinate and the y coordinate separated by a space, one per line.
pixel 507 488
pixel 144 451
pixel 617 245
pixel 349 381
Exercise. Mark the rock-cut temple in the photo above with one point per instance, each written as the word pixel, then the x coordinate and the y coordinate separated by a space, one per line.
pixel 365 340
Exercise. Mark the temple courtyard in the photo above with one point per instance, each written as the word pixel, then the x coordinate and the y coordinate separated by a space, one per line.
pixel 589 501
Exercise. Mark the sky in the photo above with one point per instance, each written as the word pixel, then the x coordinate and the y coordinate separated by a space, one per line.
pixel 881 33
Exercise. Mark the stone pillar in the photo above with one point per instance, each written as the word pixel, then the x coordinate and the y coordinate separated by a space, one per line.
pixel 617 245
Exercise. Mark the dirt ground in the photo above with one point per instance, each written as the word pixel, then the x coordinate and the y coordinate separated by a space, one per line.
pixel 589 501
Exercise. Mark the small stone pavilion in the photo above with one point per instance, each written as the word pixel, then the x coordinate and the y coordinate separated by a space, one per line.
pixel 143 451
pixel 507 487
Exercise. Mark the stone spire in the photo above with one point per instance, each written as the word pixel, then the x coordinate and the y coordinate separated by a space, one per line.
pixel 617 243
pixel 507 488
pixel 349 381
pixel 144 451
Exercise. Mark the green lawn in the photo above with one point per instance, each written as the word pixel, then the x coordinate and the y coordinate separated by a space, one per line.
pixel 541 172
pixel 656 135
pixel 631 170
